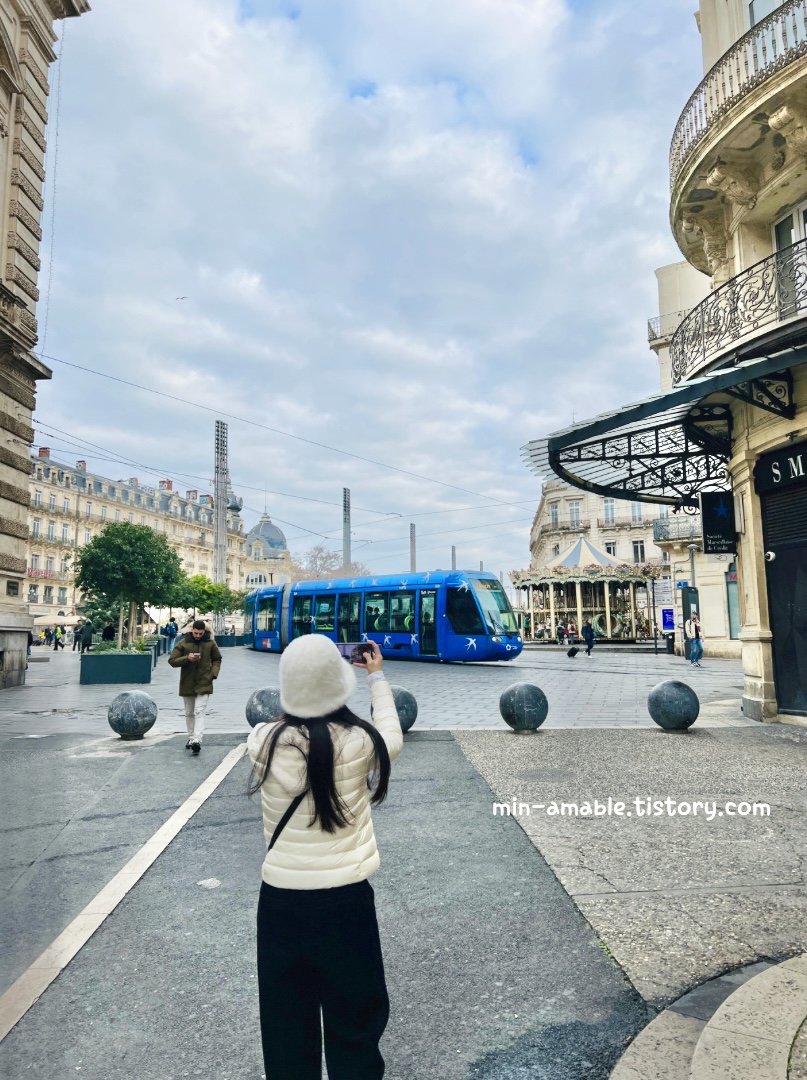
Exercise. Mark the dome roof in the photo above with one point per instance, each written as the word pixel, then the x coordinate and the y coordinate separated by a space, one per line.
pixel 268 532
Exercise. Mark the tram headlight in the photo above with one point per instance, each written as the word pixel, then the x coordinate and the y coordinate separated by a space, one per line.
pixel 498 640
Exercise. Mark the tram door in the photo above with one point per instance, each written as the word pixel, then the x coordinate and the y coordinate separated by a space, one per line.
pixel 428 622
pixel 350 617
pixel 784 521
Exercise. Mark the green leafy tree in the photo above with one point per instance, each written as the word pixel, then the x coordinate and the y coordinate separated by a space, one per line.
pixel 128 565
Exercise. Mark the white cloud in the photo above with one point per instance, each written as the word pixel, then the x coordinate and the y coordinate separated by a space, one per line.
pixel 422 234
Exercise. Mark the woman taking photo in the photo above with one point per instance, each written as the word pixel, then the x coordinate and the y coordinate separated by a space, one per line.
pixel 319 767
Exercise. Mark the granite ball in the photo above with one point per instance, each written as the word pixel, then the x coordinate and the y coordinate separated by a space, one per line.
pixel 132 714
pixel 673 705
pixel 524 706
pixel 406 705
pixel 264 706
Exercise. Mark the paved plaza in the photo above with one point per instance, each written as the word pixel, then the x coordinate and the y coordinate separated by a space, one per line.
pixel 518 946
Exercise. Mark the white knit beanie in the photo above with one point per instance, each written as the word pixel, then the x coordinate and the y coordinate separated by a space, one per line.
pixel 315 679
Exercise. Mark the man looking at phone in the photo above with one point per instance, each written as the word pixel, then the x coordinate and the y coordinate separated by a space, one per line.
pixel 198 657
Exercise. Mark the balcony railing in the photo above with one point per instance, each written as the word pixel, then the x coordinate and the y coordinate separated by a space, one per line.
pixel 623 522
pixel 771 291
pixel 564 526
pixel 680 527
pixel 664 326
pixel 771 45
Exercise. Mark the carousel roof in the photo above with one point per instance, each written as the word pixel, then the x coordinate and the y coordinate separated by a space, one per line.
pixel 581 553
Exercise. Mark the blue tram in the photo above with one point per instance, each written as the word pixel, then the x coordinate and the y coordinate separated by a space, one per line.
pixel 440 615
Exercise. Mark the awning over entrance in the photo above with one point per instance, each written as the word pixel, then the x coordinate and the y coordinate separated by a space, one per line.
pixel 669 447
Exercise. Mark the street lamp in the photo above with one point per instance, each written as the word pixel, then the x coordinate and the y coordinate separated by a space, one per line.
pixel 692 548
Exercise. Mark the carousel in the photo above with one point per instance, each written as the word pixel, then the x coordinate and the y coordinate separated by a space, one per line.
pixel 586 583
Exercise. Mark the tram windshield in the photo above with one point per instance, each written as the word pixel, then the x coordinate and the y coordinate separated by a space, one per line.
pixel 498 614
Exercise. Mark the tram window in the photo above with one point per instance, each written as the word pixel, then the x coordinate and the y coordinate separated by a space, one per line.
pixel 376 612
pixel 349 621
pixel 249 607
pixel 301 616
pixel 495 606
pixel 324 611
pixel 463 614
pixel 402 613
pixel 267 614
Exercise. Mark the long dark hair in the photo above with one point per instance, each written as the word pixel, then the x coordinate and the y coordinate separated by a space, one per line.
pixel 329 809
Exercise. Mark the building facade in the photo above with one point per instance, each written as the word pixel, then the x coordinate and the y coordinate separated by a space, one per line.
pixel 26 53
pixel 734 419
pixel 268 561
pixel 624 532
pixel 68 506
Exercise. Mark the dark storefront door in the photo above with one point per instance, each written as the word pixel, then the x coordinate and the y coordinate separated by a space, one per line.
pixel 784 520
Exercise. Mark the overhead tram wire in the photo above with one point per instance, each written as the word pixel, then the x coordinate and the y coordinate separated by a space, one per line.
pixel 83 445
pixel 277 431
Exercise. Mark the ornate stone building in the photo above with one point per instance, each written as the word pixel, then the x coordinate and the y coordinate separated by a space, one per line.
pixel 734 419
pixel 68 506
pixel 268 561
pixel 26 53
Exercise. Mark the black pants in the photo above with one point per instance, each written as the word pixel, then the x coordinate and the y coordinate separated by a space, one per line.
pixel 319 949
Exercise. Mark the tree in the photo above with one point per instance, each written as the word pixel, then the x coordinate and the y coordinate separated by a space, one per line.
pixel 128 564
pixel 318 562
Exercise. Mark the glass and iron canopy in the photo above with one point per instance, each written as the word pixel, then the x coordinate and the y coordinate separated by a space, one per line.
pixel 669 447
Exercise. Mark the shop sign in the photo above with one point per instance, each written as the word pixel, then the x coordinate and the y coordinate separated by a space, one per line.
pixel 717 523
pixel 782 469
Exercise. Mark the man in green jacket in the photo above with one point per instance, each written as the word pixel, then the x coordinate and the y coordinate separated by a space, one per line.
pixel 199 658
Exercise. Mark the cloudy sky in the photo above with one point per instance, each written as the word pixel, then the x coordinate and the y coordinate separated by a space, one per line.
pixel 420 234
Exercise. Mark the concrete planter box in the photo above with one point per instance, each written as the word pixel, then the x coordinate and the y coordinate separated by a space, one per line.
pixel 116 668
pixel 227 641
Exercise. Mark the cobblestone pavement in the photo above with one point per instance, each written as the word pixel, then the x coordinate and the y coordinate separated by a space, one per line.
pixel 607 689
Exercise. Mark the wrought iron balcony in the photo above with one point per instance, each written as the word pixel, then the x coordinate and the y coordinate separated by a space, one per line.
pixel 768 47
pixel 679 527
pixel 563 526
pixel 770 292
pixel 664 326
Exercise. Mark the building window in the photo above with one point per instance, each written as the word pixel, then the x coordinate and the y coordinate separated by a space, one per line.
pixel 574 512
pixel 66 506
pixel 37 526
pixel 142 519
pixel 610 549
pixel 64 566
pixel 638 551
pixel 761 9
pixel 62 595
pixel 12 588
pixel 65 534
pixel 47 594
pixel 117 515
pixel 608 510
pixel 51 501
pixel 664 511
pixel 89 509
pixel 33 594
pixel 87 536
pixel 37 498
pixel 131 519
pixel 636 513
pixel 111 492
pixel 34 562
pixel 553 515
pixel 49 564
pixel 51 530
pixel 555 550
pixel 103 513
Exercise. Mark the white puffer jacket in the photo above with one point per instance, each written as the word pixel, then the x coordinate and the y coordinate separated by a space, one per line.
pixel 309 858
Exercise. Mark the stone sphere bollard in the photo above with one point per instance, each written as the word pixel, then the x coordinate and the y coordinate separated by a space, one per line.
pixel 524 707
pixel 132 713
pixel 263 706
pixel 673 705
pixel 406 705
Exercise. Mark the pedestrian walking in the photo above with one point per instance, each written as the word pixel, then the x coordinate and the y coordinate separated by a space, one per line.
pixel 87 630
pixel 560 631
pixel 77 636
pixel 571 632
pixel 319 768
pixel 48 635
pixel 198 656
pixel 692 627
pixel 58 639
pixel 588 636
pixel 109 633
